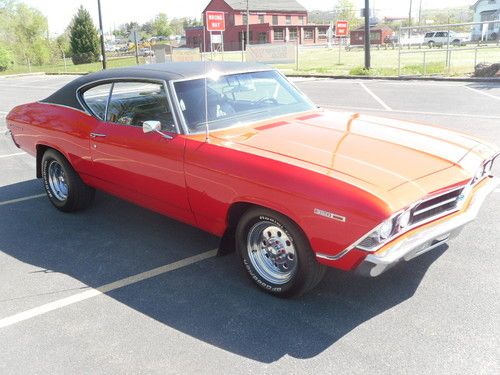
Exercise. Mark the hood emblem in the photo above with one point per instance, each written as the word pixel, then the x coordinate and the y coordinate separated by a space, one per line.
pixel 329 215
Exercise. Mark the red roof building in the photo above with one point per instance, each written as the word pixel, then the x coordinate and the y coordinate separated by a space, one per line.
pixel 276 21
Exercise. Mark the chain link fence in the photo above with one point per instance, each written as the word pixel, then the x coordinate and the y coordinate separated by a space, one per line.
pixel 447 50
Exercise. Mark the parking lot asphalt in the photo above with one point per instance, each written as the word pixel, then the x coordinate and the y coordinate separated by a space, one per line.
pixel 119 289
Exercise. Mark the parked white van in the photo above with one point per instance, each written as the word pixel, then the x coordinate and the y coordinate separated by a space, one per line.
pixel 440 38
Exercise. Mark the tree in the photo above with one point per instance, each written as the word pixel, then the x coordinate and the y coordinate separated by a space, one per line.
pixel 161 25
pixel 177 25
pixel 147 28
pixel 62 43
pixel 84 40
pixel 5 58
pixel 346 11
pixel 31 34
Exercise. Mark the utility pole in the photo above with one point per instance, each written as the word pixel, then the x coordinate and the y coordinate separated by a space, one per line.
pixel 367 34
pixel 420 13
pixel 248 26
pixel 409 21
pixel 103 50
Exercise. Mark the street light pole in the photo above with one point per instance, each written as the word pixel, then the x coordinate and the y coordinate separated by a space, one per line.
pixel 367 34
pixel 420 13
pixel 409 21
pixel 103 50
pixel 248 26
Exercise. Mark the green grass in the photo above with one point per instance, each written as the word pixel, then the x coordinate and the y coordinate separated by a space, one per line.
pixel 385 62
pixel 325 61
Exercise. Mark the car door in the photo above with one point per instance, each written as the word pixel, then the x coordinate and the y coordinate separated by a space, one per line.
pixel 143 167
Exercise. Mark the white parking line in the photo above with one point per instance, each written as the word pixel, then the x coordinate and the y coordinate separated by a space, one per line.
pixel 379 101
pixel 482 93
pixel 10 155
pixel 21 199
pixel 43 309
pixel 340 107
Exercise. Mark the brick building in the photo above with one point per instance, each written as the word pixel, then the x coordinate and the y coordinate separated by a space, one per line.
pixel 276 21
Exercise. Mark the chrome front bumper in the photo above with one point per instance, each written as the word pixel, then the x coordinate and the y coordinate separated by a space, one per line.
pixel 426 239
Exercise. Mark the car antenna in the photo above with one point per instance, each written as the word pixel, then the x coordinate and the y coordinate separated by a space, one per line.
pixel 207 139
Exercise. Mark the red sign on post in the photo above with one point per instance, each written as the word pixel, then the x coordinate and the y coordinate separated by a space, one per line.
pixel 341 28
pixel 215 21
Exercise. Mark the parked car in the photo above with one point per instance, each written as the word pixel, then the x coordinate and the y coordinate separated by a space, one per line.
pixel 146 52
pixel 441 38
pixel 110 48
pixel 238 151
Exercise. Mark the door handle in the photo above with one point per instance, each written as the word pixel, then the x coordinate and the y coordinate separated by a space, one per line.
pixel 97 135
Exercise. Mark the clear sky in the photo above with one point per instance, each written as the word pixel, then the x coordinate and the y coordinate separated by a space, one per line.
pixel 116 12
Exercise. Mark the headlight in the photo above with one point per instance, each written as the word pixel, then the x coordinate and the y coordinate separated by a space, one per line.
pixel 378 236
pixel 484 170
pixel 385 229
pixel 488 167
pixel 404 219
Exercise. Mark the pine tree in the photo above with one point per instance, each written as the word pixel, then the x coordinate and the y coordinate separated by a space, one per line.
pixel 84 40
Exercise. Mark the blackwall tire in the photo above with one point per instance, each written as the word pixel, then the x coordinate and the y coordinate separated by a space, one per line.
pixel 64 187
pixel 276 254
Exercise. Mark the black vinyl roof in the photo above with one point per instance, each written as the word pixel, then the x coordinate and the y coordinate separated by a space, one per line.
pixel 167 72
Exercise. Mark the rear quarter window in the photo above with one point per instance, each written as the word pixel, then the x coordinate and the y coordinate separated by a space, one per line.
pixel 96 99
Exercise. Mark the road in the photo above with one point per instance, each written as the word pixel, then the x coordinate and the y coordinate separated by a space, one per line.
pixel 119 289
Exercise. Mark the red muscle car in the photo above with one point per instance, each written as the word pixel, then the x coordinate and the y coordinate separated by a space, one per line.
pixel 238 151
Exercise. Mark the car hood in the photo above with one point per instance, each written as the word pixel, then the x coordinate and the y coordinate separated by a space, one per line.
pixel 380 154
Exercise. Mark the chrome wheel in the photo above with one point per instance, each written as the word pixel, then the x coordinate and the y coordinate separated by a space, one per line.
pixel 271 252
pixel 57 181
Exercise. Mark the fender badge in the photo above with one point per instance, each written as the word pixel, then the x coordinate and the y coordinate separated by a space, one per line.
pixel 329 215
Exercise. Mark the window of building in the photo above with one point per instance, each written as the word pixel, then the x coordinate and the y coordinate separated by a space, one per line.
pixel 293 34
pixel 261 18
pixel 375 36
pixel 243 36
pixel 288 20
pixel 488 15
pixel 275 20
pixel 244 19
pixel 322 33
pixel 301 20
pixel 278 34
pixel 263 37
pixel 132 103
pixel 308 34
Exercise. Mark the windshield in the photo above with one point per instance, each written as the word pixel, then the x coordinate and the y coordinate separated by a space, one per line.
pixel 238 99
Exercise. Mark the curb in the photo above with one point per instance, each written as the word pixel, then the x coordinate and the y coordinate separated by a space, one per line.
pixel 297 75
pixel 66 73
pixel 402 78
pixel 22 75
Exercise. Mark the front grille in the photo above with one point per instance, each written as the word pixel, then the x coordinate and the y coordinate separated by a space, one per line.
pixel 436 206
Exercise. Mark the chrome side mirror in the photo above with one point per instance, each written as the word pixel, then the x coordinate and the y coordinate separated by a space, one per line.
pixel 154 126
pixel 151 126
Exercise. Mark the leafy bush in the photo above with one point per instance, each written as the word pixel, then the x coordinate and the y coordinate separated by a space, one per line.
pixel 5 59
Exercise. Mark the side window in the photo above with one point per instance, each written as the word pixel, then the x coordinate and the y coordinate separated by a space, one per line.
pixel 132 103
pixel 429 35
pixel 96 99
